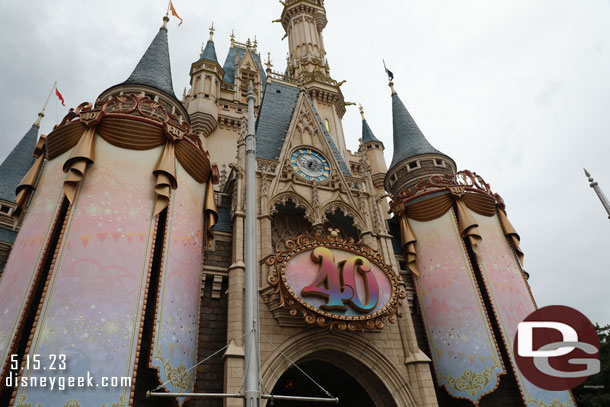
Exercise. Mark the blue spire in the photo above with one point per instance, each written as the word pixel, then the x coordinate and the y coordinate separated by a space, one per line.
pixel 409 141
pixel 209 53
pixel 367 133
pixel 17 164
pixel 154 68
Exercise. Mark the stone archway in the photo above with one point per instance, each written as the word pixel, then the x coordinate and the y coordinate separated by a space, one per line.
pixel 350 352
pixel 334 379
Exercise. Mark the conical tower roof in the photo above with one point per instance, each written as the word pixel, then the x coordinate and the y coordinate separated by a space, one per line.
pixel 209 52
pixel 367 133
pixel 17 164
pixel 154 68
pixel 409 141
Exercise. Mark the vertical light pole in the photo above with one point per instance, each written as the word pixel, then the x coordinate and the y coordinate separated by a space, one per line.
pixel 599 192
pixel 253 395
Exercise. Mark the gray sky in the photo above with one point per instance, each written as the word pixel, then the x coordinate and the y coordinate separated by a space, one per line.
pixel 518 91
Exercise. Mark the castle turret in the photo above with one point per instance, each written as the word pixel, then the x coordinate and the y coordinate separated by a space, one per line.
pixel 12 171
pixel 414 157
pixel 116 230
pixel 202 99
pixel 152 77
pixel 374 150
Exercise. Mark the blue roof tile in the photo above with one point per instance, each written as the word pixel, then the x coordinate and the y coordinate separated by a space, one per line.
pixel 229 65
pixel 277 108
pixel 367 133
pixel 409 141
pixel 209 52
pixel 17 164
pixel 154 68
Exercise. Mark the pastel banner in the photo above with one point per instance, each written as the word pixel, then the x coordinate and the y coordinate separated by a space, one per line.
pixel 512 302
pixel 93 308
pixel 176 328
pixel 465 354
pixel 23 263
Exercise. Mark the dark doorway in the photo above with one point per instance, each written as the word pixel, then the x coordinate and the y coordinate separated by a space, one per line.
pixel 336 381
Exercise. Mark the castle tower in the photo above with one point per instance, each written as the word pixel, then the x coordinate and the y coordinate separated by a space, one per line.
pixel 414 157
pixel 464 257
pixel 203 98
pixel 304 21
pixel 313 194
pixel 105 271
pixel 374 148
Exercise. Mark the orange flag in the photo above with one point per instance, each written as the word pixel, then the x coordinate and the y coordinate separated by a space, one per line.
pixel 171 6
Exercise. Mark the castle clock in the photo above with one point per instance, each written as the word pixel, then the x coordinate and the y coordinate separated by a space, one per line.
pixel 310 164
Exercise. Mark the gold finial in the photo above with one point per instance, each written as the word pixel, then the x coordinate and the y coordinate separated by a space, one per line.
pixel 255 43
pixel 165 21
pixel 40 116
pixel 212 29
pixel 232 38
pixel 362 112
pixel 391 85
pixel 268 63
pixel 248 43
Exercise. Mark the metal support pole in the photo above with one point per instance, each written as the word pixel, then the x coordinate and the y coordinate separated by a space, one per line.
pixel 252 353
pixel 599 192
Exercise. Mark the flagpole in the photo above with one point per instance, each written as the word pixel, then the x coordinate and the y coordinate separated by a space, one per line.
pixel 252 350
pixel 169 4
pixel 41 114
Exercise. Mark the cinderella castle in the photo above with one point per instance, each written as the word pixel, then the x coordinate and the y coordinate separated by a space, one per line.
pixel 122 247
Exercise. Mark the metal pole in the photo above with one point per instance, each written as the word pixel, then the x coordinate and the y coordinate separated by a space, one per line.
pixel 599 192
pixel 252 374
pixel 197 395
pixel 301 398
pixel 239 396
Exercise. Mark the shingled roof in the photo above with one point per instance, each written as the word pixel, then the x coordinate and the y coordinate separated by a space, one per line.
pixel 209 52
pixel 367 133
pixel 229 65
pixel 17 164
pixel 277 108
pixel 409 141
pixel 154 68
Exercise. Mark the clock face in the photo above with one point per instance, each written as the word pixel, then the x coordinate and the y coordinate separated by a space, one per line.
pixel 310 164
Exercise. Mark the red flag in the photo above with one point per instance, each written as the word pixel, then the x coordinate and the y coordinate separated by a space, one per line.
pixel 171 6
pixel 60 97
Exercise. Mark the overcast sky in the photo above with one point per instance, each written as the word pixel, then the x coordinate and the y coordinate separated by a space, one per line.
pixel 518 91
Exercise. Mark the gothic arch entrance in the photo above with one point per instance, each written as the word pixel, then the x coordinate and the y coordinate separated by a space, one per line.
pixel 335 380
pixel 351 354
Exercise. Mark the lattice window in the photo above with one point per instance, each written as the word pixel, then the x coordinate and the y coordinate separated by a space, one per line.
pixel 288 223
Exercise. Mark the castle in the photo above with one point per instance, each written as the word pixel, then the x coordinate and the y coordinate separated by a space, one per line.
pixel 130 256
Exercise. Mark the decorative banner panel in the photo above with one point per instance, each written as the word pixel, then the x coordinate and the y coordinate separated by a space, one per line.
pixel 336 283
pixel 512 302
pixel 93 308
pixel 23 263
pixel 463 348
pixel 176 329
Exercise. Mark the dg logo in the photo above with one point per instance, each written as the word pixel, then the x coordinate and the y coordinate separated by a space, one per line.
pixel 557 348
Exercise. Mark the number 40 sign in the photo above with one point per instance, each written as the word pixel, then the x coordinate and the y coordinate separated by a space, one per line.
pixel 335 283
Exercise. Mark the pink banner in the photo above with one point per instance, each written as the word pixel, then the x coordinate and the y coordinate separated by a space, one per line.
pixel 176 329
pixel 462 346
pixel 93 308
pixel 512 302
pixel 23 263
